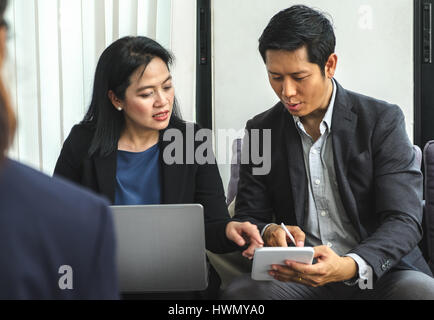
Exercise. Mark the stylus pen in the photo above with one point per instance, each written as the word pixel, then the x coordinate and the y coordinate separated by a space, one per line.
pixel 288 233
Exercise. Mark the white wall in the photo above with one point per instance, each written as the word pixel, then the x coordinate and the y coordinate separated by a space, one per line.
pixel 374 46
pixel 183 46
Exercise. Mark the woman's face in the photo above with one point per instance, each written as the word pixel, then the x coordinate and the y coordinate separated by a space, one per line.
pixel 149 99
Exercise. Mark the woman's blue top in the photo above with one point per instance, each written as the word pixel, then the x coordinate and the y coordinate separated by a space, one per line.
pixel 138 177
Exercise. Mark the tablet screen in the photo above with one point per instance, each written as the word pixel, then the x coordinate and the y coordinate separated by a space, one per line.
pixel 265 257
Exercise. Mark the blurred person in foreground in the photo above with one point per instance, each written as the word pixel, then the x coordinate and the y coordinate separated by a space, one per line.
pixel 57 241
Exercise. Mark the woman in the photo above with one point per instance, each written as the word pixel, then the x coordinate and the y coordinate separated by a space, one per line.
pixel 117 150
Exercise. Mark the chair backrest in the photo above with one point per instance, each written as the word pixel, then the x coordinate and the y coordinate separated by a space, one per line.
pixel 428 157
pixel 418 154
pixel 235 170
pixel 423 244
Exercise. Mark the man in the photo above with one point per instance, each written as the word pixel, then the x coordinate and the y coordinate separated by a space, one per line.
pixel 343 178
pixel 57 241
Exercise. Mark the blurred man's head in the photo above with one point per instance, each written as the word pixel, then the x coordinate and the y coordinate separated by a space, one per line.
pixel 7 119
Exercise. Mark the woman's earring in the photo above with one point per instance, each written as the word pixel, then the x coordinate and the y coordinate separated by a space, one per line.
pixel 119 109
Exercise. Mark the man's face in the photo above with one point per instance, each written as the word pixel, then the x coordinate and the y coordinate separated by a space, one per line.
pixel 298 83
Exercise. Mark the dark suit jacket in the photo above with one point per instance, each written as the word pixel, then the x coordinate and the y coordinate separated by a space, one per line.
pixel 377 177
pixel 46 223
pixel 181 183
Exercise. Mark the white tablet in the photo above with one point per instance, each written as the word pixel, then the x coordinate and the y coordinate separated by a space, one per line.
pixel 265 257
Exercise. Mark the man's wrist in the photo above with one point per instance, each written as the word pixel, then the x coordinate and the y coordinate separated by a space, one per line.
pixel 263 231
pixel 363 268
pixel 351 272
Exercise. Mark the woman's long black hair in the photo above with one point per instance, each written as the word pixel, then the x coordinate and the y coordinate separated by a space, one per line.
pixel 114 69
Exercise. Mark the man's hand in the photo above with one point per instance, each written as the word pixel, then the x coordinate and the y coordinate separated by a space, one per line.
pixel 275 236
pixel 329 268
pixel 243 233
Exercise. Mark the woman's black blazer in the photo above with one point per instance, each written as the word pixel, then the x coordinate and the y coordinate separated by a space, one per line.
pixel 181 183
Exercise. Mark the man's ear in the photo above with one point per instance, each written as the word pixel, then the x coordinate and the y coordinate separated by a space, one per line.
pixel 117 103
pixel 331 64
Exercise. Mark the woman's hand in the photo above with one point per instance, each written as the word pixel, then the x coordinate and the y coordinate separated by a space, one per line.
pixel 243 233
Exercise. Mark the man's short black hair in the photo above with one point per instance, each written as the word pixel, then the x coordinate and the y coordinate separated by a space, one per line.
pixel 299 26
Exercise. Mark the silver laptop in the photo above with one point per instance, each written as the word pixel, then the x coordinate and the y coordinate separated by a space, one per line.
pixel 161 248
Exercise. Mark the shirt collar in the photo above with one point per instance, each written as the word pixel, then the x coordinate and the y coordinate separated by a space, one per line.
pixel 327 120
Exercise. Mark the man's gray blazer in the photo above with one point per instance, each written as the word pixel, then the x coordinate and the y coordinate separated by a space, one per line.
pixel 376 171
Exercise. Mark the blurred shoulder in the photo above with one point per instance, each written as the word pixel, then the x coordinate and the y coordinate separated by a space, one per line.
pixel 29 187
